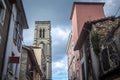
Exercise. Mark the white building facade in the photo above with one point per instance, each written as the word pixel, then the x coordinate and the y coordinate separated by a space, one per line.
pixel 14 44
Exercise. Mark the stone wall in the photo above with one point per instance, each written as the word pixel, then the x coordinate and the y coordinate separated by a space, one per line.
pixel 104 27
pixel 109 45
pixel 23 66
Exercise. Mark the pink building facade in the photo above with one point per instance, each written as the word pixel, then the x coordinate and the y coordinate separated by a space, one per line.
pixel 73 60
pixel 83 12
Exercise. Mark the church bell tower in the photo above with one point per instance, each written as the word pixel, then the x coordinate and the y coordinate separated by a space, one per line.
pixel 42 38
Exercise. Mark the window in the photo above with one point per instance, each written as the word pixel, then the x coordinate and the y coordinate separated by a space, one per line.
pixel 20 30
pixel 105 59
pixel 83 72
pixel 17 36
pixel 114 54
pixel 2 11
pixel 19 43
pixel 43 33
pixel 18 18
pixel 40 33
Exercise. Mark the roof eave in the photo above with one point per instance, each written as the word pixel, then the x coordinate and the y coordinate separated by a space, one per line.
pixel 20 5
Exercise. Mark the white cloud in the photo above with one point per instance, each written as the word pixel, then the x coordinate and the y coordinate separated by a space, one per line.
pixel 111 7
pixel 59 41
pixel 28 34
pixel 59 67
pixel 59 34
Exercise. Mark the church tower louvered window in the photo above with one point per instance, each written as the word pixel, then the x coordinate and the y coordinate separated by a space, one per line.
pixel 42 33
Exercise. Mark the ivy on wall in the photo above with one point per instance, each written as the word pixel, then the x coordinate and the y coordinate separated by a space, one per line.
pixel 95 39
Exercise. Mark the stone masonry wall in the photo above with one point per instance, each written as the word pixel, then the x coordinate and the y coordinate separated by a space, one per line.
pixel 104 27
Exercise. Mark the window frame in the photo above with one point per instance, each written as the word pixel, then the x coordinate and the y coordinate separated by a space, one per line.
pixel 2 12
pixel 43 33
pixel 40 33
pixel 17 35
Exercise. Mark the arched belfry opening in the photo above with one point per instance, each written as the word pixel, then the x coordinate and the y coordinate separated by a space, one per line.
pixel 40 33
pixel 43 33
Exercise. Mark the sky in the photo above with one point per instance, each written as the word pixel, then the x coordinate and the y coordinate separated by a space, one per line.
pixel 58 12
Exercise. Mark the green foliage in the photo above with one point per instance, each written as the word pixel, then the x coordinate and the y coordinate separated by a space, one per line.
pixel 95 38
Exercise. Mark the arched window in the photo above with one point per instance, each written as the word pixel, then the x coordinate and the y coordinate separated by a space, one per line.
pixel 40 33
pixel 43 33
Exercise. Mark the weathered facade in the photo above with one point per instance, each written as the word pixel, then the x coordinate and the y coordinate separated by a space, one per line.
pixel 42 39
pixel 71 59
pixel 99 43
pixel 17 23
pixel 81 13
pixel 29 67
pixel 109 44
pixel 5 14
pixel 41 59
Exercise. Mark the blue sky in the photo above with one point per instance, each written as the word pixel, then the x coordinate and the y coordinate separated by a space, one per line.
pixel 58 12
